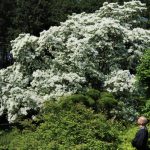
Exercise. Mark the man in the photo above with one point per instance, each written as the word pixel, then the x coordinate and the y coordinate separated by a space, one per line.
pixel 141 137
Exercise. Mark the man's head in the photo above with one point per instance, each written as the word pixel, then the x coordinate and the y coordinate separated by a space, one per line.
pixel 142 121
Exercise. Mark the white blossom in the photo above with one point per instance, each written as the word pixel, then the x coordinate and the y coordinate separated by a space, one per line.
pixel 120 81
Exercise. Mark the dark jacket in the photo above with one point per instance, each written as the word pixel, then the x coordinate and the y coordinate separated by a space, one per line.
pixel 140 140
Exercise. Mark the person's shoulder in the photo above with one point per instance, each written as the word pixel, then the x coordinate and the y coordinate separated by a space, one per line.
pixel 143 129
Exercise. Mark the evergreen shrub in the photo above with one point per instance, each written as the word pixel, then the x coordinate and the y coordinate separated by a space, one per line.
pixel 74 128
pixel 93 93
pixel 68 101
pixel 107 102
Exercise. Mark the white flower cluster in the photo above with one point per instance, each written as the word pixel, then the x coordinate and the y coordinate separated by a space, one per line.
pixel 24 45
pixel 52 85
pixel 129 14
pixel 16 96
pixel 120 81
pixel 67 58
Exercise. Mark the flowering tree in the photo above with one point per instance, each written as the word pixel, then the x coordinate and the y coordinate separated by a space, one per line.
pixel 68 58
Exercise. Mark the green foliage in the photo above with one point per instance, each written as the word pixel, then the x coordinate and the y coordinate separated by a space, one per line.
pixel 6 137
pixel 73 124
pixel 26 125
pixel 107 102
pixel 125 113
pixel 126 137
pixel 77 98
pixel 93 99
pixel 74 128
pixel 143 71
pixel 93 93
pixel 146 109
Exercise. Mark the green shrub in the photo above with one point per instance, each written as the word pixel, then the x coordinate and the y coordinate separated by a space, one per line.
pixel 143 71
pixel 107 102
pixel 126 138
pixel 146 109
pixel 69 101
pixel 94 94
pixel 77 128
pixel 6 137
pixel 125 113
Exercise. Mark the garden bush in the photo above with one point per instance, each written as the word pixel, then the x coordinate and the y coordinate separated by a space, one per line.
pixel 74 128
pixel 93 93
pixel 6 137
pixel 146 109
pixel 107 102
pixel 68 101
